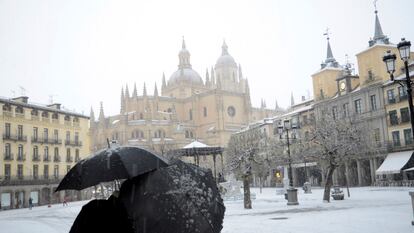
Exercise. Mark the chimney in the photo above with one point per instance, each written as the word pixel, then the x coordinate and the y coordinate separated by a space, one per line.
pixel 303 98
pixel 55 106
pixel 21 99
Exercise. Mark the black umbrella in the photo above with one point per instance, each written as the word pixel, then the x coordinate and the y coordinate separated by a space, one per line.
pixel 179 198
pixel 111 164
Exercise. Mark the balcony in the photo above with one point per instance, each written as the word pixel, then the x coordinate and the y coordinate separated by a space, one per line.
pixel 402 98
pixel 13 137
pixel 28 180
pixel 21 157
pixel 46 141
pixel 56 158
pixel 69 159
pixel 46 158
pixel 391 101
pixel 36 158
pixel 398 146
pixel 73 143
pixel 8 156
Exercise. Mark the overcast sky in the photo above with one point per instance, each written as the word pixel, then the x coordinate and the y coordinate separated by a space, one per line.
pixel 83 52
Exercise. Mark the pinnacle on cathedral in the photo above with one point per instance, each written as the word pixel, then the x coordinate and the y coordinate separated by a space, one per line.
pixel 92 115
pixel 126 92
pixel 145 90
pixel 379 37
pixel 135 93
pixel 155 90
pixel 101 113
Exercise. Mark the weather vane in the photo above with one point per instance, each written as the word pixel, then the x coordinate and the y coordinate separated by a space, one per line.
pixel 327 33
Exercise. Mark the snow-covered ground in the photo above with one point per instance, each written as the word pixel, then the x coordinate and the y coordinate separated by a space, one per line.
pixel 369 209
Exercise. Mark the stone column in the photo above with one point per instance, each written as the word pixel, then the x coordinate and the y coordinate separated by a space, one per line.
pixel 12 200
pixel 26 197
pixel 372 171
pixel 359 171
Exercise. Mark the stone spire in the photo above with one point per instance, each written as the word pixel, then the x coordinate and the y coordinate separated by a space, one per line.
pixel 135 93
pixel 213 79
pixel 224 49
pixel 208 84
pixel 240 73
pixel 184 57
pixel 276 105
pixel 292 100
pixel 155 90
pixel 92 116
pixel 126 92
pixel 101 113
pixel 330 61
pixel 164 84
pixel 122 100
pixel 379 37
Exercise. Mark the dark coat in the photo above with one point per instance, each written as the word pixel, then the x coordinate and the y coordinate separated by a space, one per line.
pixel 102 216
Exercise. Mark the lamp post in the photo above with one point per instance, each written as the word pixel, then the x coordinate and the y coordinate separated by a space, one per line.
pixel 292 193
pixel 389 59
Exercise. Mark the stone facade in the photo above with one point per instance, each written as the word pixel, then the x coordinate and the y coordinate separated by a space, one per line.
pixel 187 108
pixel 40 144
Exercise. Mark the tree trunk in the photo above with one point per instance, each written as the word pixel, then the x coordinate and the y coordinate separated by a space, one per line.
pixel 260 184
pixel 328 184
pixel 246 188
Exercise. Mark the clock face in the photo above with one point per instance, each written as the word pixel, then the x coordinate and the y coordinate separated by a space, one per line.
pixel 342 86
pixel 231 111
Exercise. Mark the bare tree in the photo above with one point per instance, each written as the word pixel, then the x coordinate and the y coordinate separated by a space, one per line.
pixel 333 141
pixel 243 154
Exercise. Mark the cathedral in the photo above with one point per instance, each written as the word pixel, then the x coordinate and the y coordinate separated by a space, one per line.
pixel 188 108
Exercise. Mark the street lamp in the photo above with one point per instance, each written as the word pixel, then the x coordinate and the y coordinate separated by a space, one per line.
pixel 389 59
pixel 292 193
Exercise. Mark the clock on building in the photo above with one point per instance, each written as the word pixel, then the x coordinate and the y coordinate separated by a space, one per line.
pixel 342 86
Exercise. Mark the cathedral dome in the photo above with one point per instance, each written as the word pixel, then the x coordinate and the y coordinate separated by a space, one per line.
pixel 187 75
pixel 225 59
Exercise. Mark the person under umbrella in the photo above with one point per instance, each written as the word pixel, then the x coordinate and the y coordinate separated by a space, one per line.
pixel 179 198
pixel 103 216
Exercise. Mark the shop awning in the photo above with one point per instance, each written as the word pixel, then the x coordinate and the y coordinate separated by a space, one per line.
pixel 394 162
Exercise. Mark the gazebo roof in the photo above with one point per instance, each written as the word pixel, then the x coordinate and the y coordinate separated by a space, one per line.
pixel 196 144
pixel 196 148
